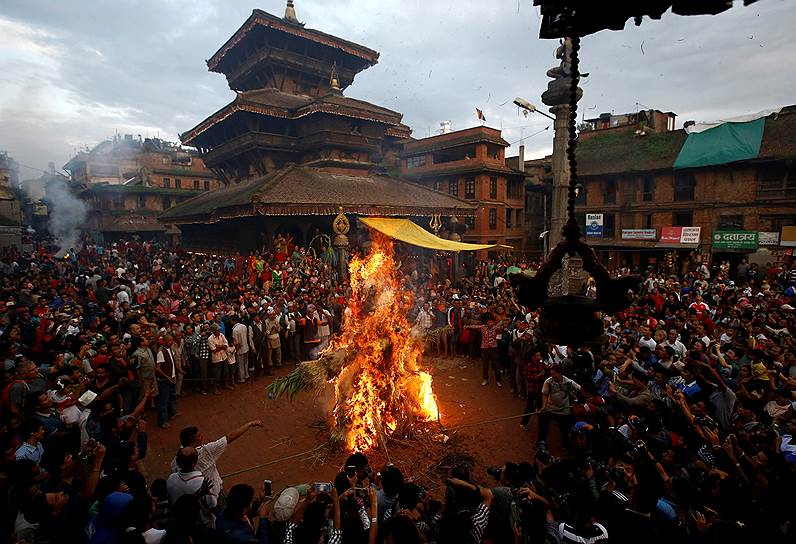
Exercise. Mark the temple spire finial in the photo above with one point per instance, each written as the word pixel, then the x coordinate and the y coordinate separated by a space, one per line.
pixel 290 13
pixel 334 82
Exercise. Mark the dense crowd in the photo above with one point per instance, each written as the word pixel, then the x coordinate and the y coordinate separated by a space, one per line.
pixel 680 426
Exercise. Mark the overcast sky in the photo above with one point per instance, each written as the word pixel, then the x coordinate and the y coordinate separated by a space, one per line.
pixel 73 73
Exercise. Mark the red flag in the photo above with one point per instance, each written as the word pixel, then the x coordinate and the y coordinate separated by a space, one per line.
pixel 480 115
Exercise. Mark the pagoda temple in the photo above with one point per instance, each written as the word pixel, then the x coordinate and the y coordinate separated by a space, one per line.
pixel 291 150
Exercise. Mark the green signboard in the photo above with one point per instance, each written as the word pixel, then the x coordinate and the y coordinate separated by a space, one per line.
pixel 735 239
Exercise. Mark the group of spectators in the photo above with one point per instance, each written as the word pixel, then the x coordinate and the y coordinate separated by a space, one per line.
pixel 679 427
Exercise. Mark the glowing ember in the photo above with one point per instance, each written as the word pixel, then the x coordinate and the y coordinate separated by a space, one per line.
pixel 382 390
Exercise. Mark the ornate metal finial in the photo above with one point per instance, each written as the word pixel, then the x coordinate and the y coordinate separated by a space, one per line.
pixel 290 13
pixel 334 82
pixel 435 223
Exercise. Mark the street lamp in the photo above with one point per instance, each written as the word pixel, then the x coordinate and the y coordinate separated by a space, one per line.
pixel 527 106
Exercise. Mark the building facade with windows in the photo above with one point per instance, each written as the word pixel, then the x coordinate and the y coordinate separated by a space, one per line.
pixel 471 164
pixel 652 211
pixel 128 182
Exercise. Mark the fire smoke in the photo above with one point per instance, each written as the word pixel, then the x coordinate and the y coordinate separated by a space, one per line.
pixel 66 214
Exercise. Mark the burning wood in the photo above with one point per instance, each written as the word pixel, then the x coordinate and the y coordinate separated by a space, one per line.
pixel 379 385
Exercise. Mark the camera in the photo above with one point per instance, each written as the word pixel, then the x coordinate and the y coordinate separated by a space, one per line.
pixel 322 487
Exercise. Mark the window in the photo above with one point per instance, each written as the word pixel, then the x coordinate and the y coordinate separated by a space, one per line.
pixel 580 200
pixel 166 183
pixel 649 189
pixel 178 183
pixel 777 180
pixel 469 222
pixel 469 188
pixel 609 195
pixel 730 222
pixel 196 185
pixel 493 188
pixel 508 218
pixel 207 185
pixel 415 162
pixel 609 225
pixel 519 217
pixel 438 185
pixel 628 190
pixel 166 202
pixel 514 189
pixel 628 221
pixel 648 221
pixel 118 201
pixel 683 219
pixel 684 184
pixel 141 201
pixel 492 218
pixel 453 187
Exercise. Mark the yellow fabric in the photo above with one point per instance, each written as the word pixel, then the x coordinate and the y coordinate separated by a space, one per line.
pixel 406 231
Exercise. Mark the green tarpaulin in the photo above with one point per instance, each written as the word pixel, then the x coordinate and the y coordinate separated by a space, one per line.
pixel 728 142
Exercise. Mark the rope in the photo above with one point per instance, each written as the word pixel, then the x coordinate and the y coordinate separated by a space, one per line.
pixel 495 420
pixel 275 461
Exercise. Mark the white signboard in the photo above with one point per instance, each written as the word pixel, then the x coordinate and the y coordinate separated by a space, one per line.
pixel 768 238
pixel 690 235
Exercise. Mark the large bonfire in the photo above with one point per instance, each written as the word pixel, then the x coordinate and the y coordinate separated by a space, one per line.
pixel 379 386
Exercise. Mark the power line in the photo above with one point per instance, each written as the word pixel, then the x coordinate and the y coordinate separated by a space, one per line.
pixel 531 136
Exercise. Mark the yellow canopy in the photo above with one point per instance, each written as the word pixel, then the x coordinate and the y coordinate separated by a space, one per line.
pixel 406 231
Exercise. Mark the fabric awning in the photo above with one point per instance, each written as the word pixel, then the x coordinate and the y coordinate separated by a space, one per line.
pixel 406 231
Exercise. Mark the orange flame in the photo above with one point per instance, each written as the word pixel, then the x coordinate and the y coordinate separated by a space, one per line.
pixel 383 390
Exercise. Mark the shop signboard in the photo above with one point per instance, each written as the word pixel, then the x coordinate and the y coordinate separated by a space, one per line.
pixel 680 235
pixel 735 239
pixel 788 237
pixel 639 234
pixel 690 235
pixel 768 238
pixel 594 225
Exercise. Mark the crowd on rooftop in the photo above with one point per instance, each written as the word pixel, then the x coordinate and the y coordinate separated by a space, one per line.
pixel 680 426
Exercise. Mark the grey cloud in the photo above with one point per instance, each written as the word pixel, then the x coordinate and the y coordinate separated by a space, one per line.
pixel 140 64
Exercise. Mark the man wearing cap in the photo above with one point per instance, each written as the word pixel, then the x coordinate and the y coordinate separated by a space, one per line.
pixel 257 344
pixel 273 345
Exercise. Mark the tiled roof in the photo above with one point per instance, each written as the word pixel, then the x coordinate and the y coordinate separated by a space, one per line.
pixel 262 18
pixel 304 190
pixel 274 103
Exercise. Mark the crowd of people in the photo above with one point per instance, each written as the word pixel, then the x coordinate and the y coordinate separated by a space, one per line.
pixel 680 426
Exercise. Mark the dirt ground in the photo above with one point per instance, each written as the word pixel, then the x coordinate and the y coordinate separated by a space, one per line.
pixel 291 449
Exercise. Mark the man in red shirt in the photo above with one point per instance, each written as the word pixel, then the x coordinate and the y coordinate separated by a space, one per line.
pixel 534 373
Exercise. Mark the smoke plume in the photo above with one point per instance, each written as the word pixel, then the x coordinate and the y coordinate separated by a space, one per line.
pixel 66 214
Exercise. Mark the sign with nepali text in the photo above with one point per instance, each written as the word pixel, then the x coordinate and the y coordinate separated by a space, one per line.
pixel 680 235
pixel 735 239
pixel 639 234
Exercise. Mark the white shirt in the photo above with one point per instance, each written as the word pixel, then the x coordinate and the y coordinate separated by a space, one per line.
pixel 240 338
pixel 161 359
pixel 208 455
pixel 188 483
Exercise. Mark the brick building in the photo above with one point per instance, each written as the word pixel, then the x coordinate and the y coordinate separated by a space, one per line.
pixel 626 167
pixel 471 164
pixel 129 182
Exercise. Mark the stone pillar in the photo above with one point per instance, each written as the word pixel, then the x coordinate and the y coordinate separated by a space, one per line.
pixel 560 167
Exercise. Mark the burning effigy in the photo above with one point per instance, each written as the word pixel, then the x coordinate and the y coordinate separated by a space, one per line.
pixel 380 388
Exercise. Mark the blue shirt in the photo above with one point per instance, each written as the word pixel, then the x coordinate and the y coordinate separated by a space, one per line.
pixel 26 451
